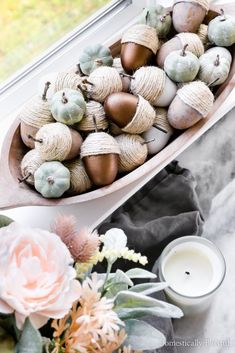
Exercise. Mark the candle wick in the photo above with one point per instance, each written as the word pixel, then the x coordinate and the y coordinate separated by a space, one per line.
pixel 187 273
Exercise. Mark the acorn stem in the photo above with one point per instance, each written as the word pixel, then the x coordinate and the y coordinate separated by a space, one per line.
pixel 160 128
pixel 183 50
pixel 147 17
pixel 21 180
pixel 78 71
pixel 87 82
pixel 44 95
pixel 223 18
pixel 95 123
pixel 64 98
pixel 34 139
pixel 212 82
pixel 147 142
pixel 217 61
pixel 126 75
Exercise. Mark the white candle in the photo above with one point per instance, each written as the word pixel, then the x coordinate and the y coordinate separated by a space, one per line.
pixel 194 268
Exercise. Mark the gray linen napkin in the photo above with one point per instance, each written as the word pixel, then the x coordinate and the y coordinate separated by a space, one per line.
pixel 164 209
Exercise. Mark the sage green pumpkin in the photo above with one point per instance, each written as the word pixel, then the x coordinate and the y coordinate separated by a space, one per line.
pixel 221 30
pixel 52 179
pixel 181 66
pixel 158 18
pixel 93 57
pixel 215 66
pixel 68 106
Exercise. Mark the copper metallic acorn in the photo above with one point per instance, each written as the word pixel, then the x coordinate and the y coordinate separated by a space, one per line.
pixel 192 103
pixel 100 154
pixel 139 44
pixel 188 15
pixel 133 114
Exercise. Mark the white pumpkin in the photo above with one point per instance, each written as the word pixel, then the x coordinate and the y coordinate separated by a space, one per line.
pixel 215 66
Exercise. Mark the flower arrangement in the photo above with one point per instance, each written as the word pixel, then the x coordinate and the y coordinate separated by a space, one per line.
pixel 51 301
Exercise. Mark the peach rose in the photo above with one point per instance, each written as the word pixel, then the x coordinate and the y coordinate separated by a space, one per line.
pixel 37 279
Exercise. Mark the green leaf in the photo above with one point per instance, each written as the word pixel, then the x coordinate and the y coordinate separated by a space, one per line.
pixel 142 336
pixel 121 277
pixel 5 221
pixel 140 273
pixel 149 288
pixel 136 313
pixel 30 340
pixel 114 289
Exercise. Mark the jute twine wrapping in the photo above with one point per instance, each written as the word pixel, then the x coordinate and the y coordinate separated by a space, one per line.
pixel 143 35
pixel 198 96
pixel 161 119
pixel 105 80
pixel 67 80
pixel 143 118
pixel 202 3
pixel 194 43
pixel 99 143
pixel 87 123
pixel 36 112
pixel 29 164
pixel 133 152
pixel 149 82
pixel 56 142
pixel 79 180
pixel 117 64
pixel 203 33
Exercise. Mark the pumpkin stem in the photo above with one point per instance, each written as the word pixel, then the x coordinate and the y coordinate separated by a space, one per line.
pixel 147 17
pixel 64 98
pixel 212 82
pixel 163 18
pixel 160 128
pixel 44 96
pixel 50 180
pixel 95 123
pixel 223 18
pixel 34 139
pixel 147 142
pixel 126 75
pixel 184 49
pixel 217 61
pixel 99 62
pixel 78 71
pixel 21 180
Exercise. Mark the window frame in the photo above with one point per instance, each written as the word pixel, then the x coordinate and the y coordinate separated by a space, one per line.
pixel 22 85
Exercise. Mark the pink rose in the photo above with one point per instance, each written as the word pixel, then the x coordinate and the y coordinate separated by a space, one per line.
pixel 37 279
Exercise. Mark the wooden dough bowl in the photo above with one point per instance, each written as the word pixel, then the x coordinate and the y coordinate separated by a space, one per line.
pixel 15 194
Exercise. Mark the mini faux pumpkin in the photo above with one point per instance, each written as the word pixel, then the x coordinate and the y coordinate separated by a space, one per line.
pixel 215 66
pixel 158 18
pixel 93 57
pixel 182 65
pixel 68 106
pixel 52 179
pixel 221 30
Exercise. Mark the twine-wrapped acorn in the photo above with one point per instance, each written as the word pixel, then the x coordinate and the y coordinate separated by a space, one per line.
pixel 203 34
pixel 31 161
pixel 153 84
pixel 133 152
pixel 192 103
pixel 187 15
pixel 100 154
pixel 101 83
pixel 96 109
pixel 126 80
pixel 160 132
pixel 79 180
pixel 57 142
pixel 34 115
pixel 133 114
pixel 139 43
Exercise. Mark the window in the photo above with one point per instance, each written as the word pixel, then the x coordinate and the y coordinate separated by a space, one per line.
pixel 30 26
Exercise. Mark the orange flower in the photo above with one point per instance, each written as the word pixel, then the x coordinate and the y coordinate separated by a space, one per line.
pixel 82 244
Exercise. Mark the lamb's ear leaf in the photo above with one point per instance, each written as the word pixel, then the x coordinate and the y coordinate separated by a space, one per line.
pixel 5 221
pixel 142 336
pixel 30 340
pixel 140 273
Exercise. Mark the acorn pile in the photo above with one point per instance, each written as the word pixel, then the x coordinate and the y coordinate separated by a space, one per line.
pixel 104 118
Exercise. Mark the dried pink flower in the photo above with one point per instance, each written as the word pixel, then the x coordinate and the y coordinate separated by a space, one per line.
pixel 82 244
